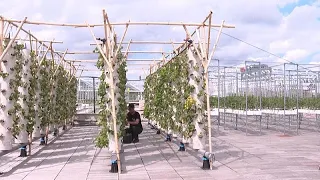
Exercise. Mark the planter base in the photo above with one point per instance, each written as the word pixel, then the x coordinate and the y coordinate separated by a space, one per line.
pixel 205 163
pixel 168 138
pixel 182 147
pixel 23 151
pixel 114 167
pixel 55 132
pixel 42 141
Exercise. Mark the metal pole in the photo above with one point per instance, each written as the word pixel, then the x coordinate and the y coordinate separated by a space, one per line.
pixel 260 92
pixel 94 94
pixel 224 96
pixel 237 90
pixel 284 98
pixel 246 75
pixel 218 94
pixel 297 96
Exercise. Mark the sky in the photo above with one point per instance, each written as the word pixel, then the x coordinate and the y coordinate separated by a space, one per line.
pixel 279 28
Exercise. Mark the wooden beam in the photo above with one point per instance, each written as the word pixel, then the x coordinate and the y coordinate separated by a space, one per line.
pixel 207 89
pixel 189 35
pixel 120 44
pixel 215 45
pixel 12 40
pixel 148 42
pixel 127 50
pixel 37 41
pixel 203 24
pixel 30 41
pixel 128 60
pixel 106 18
pixel 120 24
pixel 1 38
pixel 59 63
pixel 44 56
pixel 52 56
pixel 91 52
pixel 106 34
pixel 7 27
pixel 200 44
pixel 99 47
pixel 46 41
pixel 207 52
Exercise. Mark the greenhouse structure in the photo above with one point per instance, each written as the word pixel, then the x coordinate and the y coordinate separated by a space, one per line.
pixel 198 110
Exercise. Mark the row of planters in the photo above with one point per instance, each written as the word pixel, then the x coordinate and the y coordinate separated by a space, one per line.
pixel 111 79
pixel 253 102
pixel 174 98
pixel 31 97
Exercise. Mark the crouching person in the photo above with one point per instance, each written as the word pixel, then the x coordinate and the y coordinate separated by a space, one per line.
pixel 134 120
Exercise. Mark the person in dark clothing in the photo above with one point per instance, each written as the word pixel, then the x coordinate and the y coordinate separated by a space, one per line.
pixel 134 119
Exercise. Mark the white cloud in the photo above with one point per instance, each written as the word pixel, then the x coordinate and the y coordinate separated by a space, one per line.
pixel 296 54
pixel 260 23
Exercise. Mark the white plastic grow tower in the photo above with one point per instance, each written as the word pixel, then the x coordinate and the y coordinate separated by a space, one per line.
pixel 199 137
pixel 36 128
pixel 115 76
pixel 25 76
pixel 6 122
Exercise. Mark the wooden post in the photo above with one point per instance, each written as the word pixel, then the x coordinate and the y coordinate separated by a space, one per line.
pixel 120 44
pixel 189 36
pixel 30 143
pixel 216 43
pixel 30 41
pixel 44 56
pixel 127 50
pixel 112 97
pixel 62 58
pixel 112 60
pixel 207 63
pixel 207 89
pixel 37 48
pixel 1 37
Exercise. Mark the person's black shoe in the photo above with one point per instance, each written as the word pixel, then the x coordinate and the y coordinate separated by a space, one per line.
pixel 135 141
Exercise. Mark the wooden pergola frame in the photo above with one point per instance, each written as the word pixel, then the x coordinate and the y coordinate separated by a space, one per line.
pixel 108 51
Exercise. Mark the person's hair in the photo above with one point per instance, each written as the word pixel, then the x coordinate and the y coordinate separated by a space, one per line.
pixel 131 105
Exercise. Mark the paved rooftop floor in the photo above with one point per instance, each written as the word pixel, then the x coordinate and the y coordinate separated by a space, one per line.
pixel 239 157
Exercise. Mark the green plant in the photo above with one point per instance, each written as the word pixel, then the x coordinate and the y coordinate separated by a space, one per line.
pixel 15 83
pixel 102 140
pixel 122 108
pixel 44 97
pixel 166 92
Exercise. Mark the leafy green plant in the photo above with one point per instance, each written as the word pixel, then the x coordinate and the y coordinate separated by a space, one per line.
pixel 167 96
pixel 15 111
pixel 102 140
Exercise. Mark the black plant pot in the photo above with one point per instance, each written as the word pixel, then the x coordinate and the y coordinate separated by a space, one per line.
pixel 168 138
pixel 23 151
pixel 205 163
pixel 114 167
pixel 182 147
pixel 42 141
